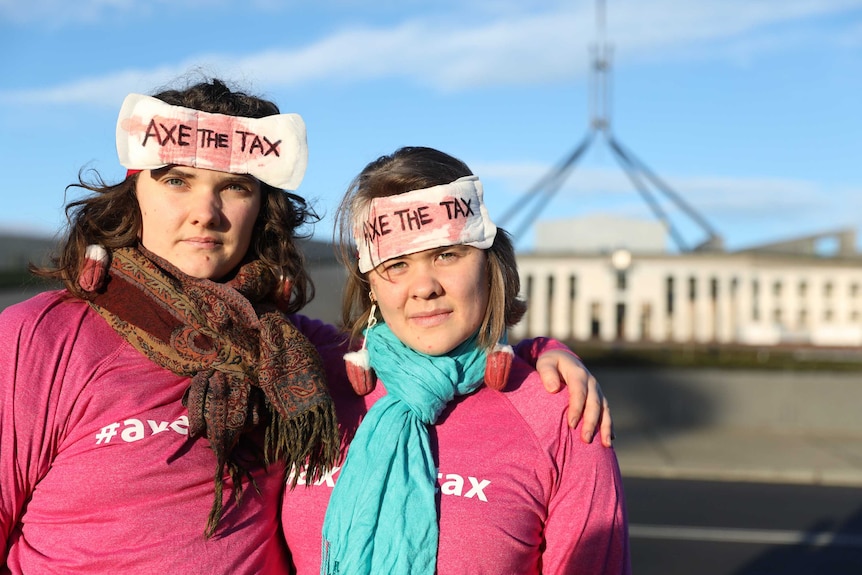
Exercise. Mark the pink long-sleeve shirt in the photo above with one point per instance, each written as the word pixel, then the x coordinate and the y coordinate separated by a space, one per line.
pixel 519 492
pixel 96 471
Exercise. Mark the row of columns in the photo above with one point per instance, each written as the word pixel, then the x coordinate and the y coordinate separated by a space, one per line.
pixel 685 301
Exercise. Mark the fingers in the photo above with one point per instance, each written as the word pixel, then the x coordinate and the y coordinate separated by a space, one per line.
pixel 577 399
pixel 597 414
pixel 592 410
pixel 587 402
pixel 546 365
pixel 607 426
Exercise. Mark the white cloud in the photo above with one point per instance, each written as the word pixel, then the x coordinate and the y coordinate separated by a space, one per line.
pixel 104 90
pixel 771 203
pixel 61 13
pixel 68 14
pixel 57 14
pixel 451 53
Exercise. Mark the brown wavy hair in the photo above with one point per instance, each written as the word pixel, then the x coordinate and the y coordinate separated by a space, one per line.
pixel 110 216
pixel 416 168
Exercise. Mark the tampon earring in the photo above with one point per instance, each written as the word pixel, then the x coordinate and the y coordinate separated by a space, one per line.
pixel 498 366
pixel 358 363
pixel 283 291
pixel 94 271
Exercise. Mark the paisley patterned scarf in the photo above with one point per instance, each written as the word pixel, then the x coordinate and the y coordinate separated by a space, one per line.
pixel 249 366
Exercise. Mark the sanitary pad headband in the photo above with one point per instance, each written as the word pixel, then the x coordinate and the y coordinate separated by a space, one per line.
pixel 447 215
pixel 152 134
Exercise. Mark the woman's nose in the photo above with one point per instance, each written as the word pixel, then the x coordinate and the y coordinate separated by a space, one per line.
pixel 206 209
pixel 425 285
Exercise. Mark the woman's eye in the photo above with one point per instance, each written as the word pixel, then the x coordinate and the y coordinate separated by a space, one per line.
pixel 241 188
pixel 173 182
pixel 395 266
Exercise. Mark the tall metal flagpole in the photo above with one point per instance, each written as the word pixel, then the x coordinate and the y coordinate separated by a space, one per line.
pixel 637 171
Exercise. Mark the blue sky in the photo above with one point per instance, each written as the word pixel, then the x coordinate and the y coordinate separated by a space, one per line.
pixel 748 109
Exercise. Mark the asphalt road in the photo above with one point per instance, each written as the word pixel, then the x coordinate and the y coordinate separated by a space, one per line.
pixel 722 528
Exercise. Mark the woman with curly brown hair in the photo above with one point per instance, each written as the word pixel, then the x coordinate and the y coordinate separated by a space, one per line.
pixel 150 409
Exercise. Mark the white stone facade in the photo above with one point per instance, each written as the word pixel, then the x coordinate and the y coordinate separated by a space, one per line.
pixel 745 298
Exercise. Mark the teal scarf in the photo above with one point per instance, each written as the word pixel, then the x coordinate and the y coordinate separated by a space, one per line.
pixel 382 516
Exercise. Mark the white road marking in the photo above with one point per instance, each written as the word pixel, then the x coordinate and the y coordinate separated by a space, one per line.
pixel 756 536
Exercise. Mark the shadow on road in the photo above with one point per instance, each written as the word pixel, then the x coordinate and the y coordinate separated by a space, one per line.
pixel 826 550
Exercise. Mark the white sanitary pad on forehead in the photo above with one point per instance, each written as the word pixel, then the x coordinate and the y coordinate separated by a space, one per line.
pixel 152 134
pixel 447 215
